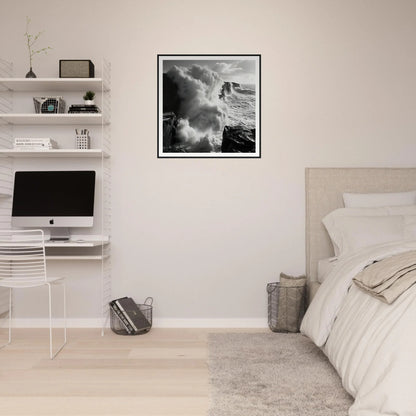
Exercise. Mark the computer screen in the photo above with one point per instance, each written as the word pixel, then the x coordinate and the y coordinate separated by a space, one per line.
pixel 53 198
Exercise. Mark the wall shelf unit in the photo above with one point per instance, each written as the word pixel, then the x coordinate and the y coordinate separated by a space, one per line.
pixel 17 94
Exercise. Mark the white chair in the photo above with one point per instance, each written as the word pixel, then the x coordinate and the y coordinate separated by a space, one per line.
pixel 23 265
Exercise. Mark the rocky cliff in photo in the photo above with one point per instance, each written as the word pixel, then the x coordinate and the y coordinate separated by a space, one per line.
pixel 238 139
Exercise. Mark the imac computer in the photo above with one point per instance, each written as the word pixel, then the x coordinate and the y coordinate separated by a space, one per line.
pixel 54 199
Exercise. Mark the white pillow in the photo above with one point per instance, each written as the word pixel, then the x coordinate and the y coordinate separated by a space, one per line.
pixel 379 200
pixel 349 235
pixel 372 212
pixel 353 233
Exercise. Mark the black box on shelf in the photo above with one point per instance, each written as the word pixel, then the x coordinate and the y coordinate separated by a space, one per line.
pixel 82 108
pixel 76 68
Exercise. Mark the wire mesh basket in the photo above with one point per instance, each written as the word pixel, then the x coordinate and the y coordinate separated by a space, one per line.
pixel 49 105
pixel 286 303
pixel 146 309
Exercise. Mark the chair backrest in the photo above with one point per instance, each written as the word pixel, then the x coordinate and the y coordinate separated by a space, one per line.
pixel 22 258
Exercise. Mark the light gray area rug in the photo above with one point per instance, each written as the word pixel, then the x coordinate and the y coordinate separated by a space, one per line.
pixel 272 374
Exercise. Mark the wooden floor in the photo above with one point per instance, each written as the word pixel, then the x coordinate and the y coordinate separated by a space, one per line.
pixel 161 373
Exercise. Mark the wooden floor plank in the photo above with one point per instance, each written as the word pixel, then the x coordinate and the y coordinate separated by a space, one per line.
pixel 104 406
pixel 162 373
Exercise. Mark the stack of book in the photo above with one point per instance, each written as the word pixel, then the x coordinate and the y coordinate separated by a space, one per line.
pixel 130 316
pixel 83 108
pixel 33 144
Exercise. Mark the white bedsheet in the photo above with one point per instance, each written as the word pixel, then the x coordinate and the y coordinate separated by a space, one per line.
pixel 325 266
pixel 371 344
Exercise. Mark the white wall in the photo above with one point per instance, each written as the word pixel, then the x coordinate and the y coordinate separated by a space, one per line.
pixel 203 237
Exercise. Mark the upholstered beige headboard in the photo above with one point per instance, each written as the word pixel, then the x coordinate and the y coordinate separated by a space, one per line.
pixel 324 188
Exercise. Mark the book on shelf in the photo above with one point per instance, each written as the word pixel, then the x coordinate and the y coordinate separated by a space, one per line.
pixel 34 144
pixel 133 314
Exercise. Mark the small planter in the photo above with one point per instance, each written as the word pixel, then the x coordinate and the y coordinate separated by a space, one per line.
pixel 89 98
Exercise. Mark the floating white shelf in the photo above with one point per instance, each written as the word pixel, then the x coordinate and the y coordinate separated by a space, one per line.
pixel 52 84
pixel 78 153
pixel 31 119
pixel 70 258
pixel 60 244
pixel 69 244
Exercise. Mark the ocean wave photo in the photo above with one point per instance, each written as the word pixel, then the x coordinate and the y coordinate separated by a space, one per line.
pixel 209 106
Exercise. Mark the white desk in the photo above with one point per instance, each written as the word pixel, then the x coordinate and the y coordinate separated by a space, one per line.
pixel 77 249
pixel 57 250
pixel 75 243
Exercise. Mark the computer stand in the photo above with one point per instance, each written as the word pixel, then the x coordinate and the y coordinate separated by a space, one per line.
pixel 60 234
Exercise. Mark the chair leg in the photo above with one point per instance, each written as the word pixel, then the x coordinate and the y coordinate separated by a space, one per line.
pixel 9 319
pixel 52 355
pixel 10 315
pixel 64 293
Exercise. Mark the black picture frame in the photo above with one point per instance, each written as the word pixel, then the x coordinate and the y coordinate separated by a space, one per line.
pixel 202 112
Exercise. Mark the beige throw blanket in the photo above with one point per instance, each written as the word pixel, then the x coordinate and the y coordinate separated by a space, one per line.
pixel 389 278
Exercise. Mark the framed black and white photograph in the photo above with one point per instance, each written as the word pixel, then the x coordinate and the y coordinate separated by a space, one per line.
pixel 209 106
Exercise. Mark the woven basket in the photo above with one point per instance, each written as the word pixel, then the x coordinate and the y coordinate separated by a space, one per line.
pixel 286 303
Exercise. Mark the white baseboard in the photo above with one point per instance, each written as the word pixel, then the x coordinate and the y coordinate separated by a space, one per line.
pixel 210 323
pixel 44 323
pixel 157 323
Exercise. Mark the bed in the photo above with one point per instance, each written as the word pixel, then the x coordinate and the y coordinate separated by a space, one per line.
pixel 371 344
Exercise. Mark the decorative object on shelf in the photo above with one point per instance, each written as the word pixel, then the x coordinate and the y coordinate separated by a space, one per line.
pixel 82 140
pixel 49 105
pixel 30 74
pixel 30 41
pixel 89 98
pixel 76 68
pixel 209 106
pixel 34 144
